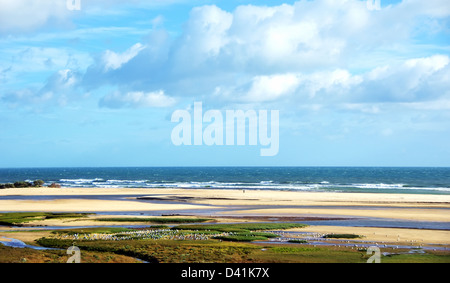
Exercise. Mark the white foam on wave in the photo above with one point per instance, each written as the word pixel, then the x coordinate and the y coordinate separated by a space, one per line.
pixel 379 186
pixel 262 185
pixel 398 187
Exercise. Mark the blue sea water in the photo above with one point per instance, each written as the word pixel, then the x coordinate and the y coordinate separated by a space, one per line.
pixel 338 179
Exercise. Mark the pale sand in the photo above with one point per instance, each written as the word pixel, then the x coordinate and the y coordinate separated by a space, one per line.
pixel 398 206
pixel 88 205
pixel 45 191
pixel 249 196
pixel 28 237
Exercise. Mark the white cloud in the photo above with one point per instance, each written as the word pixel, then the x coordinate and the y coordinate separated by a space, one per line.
pixel 204 38
pixel 417 79
pixel 28 15
pixel 269 88
pixel 63 80
pixel 335 82
pixel 137 99
pixel 113 60
pixel 262 41
pixel 306 51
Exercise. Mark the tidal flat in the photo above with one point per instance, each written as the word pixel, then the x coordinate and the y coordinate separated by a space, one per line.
pixel 218 226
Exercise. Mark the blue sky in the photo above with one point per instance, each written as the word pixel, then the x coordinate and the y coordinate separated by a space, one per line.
pixel 97 87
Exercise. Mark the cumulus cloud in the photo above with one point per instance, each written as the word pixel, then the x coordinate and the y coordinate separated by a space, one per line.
pixel 264 45
pixel 204 37
pixel 417 79
pixel 413 80
pixel 306 51
pixel 28 15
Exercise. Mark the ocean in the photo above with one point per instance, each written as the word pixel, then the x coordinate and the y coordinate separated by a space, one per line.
pixel 413 180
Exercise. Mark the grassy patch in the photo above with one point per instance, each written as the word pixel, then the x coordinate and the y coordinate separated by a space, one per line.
pixel 427 257
pixel 19 218
pixel 241 238
pixel 241 232
pixel 26 255
pixel 237 251
pixel 162 251
pixel 307 254
pixel 296 250
pixel 247 237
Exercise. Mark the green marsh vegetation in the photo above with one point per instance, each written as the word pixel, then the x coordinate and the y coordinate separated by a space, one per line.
pixel 241 232
pixel 245 232
pixel 225 242
pixel 239 247
pixel 211 251
pixel 246 236
pixel 27 255
pixel 19 218
pixel 214 251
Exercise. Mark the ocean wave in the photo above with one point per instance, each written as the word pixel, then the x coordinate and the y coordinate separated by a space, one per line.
pixel 398 187
pixel 262 185
pixel 379 186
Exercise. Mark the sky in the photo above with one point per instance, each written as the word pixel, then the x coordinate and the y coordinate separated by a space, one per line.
pixel 356 82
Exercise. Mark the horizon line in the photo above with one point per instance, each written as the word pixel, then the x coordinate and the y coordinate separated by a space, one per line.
pixel 228 166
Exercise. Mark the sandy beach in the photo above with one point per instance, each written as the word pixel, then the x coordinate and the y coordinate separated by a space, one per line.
pixel 404 206
pixel 248 204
